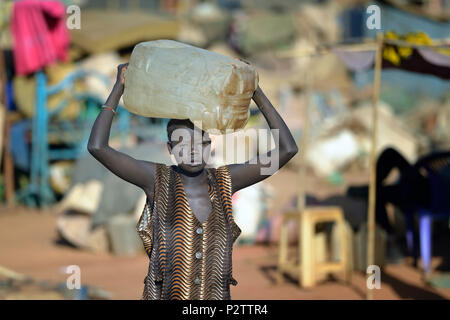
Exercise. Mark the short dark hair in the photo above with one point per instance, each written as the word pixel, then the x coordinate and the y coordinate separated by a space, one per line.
pixel 174 123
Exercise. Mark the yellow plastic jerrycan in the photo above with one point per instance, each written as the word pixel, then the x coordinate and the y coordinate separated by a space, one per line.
pixel 170 79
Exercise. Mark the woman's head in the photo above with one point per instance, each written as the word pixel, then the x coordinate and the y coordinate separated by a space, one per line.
pixel 190 145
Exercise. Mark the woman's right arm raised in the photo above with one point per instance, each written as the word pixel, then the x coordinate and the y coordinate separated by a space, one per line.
pixel 138 172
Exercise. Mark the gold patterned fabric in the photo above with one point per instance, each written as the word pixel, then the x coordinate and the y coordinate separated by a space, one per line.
pixel 189 260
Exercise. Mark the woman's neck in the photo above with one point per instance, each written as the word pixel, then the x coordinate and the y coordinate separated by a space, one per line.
pixel 187 173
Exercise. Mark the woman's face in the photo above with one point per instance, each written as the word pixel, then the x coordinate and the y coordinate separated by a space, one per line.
pixel 190 149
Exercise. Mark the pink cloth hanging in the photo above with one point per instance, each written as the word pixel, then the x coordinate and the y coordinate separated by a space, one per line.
pixel 40 35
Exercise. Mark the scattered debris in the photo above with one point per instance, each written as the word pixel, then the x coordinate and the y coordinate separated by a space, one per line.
pixel 123 235
pixel 15 286
pixel 329 155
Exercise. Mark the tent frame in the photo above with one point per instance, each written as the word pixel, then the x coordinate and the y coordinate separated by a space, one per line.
pixel 364 45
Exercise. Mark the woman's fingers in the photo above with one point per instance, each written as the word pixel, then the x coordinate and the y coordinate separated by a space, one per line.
pixel 243 60
pixel 121 72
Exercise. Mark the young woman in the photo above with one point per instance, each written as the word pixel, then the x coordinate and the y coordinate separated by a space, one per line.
pixel 187 225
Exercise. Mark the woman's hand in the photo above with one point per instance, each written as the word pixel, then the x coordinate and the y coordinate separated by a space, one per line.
pixel 120 80
pixel 257 90
pixel 243 61
pixel 117 91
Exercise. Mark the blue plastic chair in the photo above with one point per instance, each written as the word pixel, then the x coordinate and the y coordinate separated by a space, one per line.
pixel 45 123
pixel 39 192
pixel 435 167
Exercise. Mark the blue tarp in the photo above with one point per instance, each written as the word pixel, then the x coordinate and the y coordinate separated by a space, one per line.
pixel 403 22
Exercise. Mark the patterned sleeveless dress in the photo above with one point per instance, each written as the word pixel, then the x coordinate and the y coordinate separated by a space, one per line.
pixel 189 260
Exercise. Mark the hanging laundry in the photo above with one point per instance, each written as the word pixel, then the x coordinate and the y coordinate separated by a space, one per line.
pixel 426 60
pixel 435 61
pixel 40 35
pixel 356 60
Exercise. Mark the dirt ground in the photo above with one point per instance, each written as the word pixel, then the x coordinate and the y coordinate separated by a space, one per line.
pixel 28 246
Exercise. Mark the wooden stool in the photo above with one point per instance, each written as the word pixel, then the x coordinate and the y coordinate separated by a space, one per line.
pixel 307 268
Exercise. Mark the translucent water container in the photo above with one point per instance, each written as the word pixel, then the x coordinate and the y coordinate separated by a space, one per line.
pixel 170 79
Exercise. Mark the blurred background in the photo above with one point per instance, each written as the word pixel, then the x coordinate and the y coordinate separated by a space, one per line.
pixel 315 59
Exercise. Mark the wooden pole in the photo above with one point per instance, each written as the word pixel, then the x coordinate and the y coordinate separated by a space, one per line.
pixel 303 246
pixel 301 197
pixel 373 164
pixel 5 152
pixel 3 101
